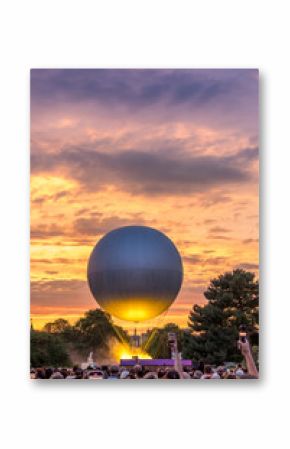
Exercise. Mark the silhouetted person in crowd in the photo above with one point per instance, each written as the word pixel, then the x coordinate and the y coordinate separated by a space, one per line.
pixel 150 375
pixel 113 372
pixel 105 370
pixel 201 366
pixel 40 374
pixel 124 374
pixel 172 374
pixel 56 375
pixel 207 372
pixel 95 375
pixel 79 373
pixel 161 373
pixel 139 372
pixel 48 373
pixel 64 372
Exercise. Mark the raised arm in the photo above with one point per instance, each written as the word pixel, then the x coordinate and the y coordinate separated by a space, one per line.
pixel 177 360
pixel 246 351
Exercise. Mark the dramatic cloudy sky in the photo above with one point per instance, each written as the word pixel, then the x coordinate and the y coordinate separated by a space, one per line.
pixel 173 149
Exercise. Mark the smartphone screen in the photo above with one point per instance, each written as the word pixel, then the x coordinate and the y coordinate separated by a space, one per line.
pixel 243 336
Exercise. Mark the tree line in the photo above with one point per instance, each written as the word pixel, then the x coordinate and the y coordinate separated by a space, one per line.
pixel 232 299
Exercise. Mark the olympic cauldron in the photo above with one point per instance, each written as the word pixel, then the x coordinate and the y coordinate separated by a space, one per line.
pixel 135 273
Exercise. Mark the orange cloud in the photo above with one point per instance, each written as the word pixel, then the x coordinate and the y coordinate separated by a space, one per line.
pixel 184 162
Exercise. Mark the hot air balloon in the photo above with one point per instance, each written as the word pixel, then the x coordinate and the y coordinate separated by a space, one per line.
pixel 135 273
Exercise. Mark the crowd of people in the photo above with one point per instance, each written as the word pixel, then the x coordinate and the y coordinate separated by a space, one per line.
pixel 247 370
pixel 95 372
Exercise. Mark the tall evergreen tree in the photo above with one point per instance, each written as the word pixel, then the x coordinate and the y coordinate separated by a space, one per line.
pixel 233 299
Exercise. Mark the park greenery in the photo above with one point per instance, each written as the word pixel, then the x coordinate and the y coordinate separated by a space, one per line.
pixel 157 344
pixel 93 333
pixel 48 350
pixel 232 299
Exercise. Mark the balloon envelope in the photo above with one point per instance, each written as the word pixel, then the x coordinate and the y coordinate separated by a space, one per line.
pixel 135 273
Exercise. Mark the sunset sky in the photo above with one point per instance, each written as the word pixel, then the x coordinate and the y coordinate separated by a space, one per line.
pixel 176 150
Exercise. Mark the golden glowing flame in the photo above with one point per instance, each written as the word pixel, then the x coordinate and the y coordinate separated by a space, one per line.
pixel 136 309
pixel 125 351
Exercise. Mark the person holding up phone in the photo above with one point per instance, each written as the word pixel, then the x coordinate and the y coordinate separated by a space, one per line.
pixel 172 342
pixel 245 348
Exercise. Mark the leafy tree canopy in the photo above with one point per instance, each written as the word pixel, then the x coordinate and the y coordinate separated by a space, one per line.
pixel 157 344
pixel 232 300
pixel 95 330
pixel 47 350
pixel 57 326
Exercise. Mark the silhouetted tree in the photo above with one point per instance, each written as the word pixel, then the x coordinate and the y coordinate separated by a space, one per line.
pixel 233 299
pixel 157 343
pixel 47 350
pixel 57 327
pixel 95 330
